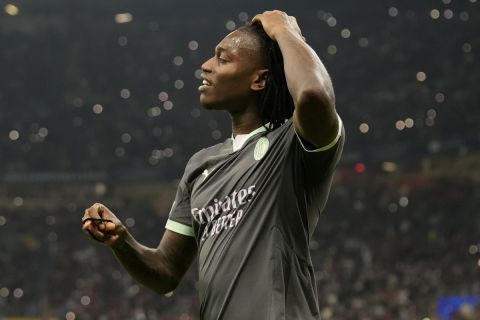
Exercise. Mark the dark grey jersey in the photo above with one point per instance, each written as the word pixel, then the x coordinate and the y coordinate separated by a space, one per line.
pixel 252 213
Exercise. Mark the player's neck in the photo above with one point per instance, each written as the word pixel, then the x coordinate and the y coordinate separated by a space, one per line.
pixel 246 121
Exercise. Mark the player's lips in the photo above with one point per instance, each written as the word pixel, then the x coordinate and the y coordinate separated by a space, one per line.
pixel 205 83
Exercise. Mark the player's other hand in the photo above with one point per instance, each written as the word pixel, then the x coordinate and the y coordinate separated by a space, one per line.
pixel 100 224
pixel 276 23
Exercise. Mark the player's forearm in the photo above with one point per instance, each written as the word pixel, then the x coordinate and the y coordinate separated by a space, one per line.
pixel 146 265
pixel 304 71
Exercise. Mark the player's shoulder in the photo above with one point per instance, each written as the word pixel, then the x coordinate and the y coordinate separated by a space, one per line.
pixel 282 130
pixel 204 153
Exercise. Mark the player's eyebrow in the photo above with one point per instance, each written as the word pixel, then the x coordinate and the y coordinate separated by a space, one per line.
pixel 219 49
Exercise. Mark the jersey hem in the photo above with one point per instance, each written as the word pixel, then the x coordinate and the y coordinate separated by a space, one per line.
pixel 179 228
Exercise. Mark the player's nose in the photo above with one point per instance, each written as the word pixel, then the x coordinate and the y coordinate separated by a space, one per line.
pixel 206 66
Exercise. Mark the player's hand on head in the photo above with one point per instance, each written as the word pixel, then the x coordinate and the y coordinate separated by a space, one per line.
pixel 277 22
pixel 100 224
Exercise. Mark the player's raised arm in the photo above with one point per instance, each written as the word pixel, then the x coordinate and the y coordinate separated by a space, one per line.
pixel 315 119
pixel 159 269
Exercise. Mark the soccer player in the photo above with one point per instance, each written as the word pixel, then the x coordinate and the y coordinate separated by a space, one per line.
pixel 248 207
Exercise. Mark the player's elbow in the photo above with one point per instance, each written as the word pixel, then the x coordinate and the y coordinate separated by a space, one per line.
pixel 164 285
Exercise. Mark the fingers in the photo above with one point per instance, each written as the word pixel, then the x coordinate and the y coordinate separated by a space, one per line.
pixel 100 210
pixel 272 13
pixel 92 231
pixel 101 225
pixel 93 212
pixel 256 19
pixel 276 22
pixel 94 224
pixel 105 239
pixel 92 236
pixel 108 226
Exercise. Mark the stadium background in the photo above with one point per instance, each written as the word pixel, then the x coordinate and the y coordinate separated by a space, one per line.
pixel 99 103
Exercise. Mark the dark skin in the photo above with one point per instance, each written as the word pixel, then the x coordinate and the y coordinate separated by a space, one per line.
pixel 233 79
pixel 159 269
pixel 235 75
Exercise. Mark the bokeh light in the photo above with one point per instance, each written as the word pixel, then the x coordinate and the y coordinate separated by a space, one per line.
pixel 12 9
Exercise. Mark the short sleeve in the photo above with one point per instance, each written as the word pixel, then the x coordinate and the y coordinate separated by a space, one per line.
pixel 179 219
pixel 332 144
pixel 318 163
pixel 313 172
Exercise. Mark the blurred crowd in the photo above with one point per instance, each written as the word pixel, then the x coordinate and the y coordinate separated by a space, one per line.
pixel 112 87
pixel 387 247
pixel 99 102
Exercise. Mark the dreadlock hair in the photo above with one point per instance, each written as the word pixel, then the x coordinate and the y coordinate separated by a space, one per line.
pixel 275 103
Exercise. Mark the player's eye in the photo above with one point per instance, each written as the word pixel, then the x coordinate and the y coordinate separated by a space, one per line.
pixel 221 59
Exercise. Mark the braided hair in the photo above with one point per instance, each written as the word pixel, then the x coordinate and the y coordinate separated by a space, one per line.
pixel 275 104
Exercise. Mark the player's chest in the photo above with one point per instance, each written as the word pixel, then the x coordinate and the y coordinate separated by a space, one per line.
pixel 229 182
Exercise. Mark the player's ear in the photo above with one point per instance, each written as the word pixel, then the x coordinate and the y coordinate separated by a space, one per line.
pixel 260 80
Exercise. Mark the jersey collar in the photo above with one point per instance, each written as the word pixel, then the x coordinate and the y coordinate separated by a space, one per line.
pixel 239 140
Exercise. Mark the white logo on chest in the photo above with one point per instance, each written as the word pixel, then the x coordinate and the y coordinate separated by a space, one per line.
pixel 261 148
